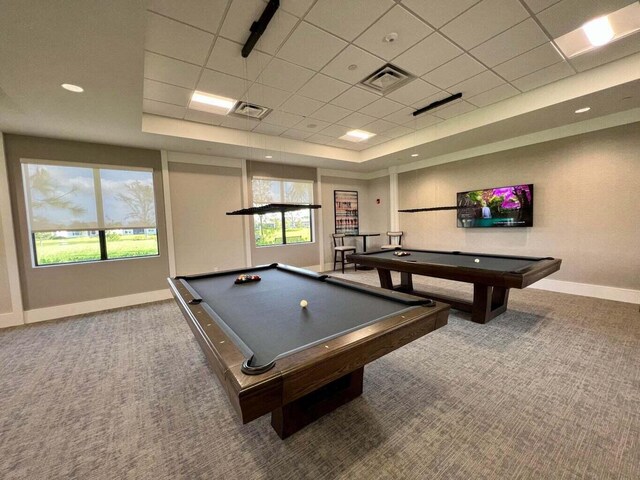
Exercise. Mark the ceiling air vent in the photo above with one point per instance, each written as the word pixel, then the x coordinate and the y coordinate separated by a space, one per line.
pixel 387 78
pixel 244 109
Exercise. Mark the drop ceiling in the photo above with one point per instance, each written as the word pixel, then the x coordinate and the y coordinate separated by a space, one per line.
pixel 139 63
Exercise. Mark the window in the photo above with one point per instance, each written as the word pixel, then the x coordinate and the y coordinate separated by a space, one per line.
pixel 82 213
pixel 282 228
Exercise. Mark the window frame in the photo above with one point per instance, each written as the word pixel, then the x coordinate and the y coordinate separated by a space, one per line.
pixel 102 232
pixel 282 181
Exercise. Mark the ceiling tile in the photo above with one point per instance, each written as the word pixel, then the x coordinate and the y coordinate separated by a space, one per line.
pixel 331 113
pixel 352 55
pixel 204 14
pixel 347 18
pixel 529 62
pixel 296 7
pixel 226 57
pixel 312 125
pixel 168 70
pixel 321 139
pixel 423 121
pixel 265 96
pixel 539 5
pixel 177 40
pixel 240 123
pixel 323 88
pixel 379 126
pixel 301 105
pixel 454 110
pixel 398 131
pixel 283 119
pixel 613 51
pixel 296 134
pixel 494 95
pixel 478 84
pixel 356 120
pixel 568 15
pixel 222 84
pixel 483 21
pixel 373 141
pixel 164 109
pixel 166 93
pixel 311 47
pixel 285 75
pixel 204 117
pixel 241 16
pixel 355 98
pixel 381 108
pixel 438 13
pixel 543 76
pixel 402 116
pixel 269 129
pixel 398 20
pixel 430 53
pixel 342 144
pixel 515 41
pixel 455 71
pixel 335 131
pixel 429 100
pixel 413 92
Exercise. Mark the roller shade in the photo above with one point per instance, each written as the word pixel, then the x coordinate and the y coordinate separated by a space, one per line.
pixel 281 191
pixel 62 196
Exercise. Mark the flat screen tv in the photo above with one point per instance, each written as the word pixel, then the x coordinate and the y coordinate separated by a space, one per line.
pixel 503 207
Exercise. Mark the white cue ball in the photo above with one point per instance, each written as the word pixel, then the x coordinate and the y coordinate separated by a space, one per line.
pixel 304 303
pixel 477 260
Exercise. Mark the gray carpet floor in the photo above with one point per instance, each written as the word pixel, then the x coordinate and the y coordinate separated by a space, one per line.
pixel 548 390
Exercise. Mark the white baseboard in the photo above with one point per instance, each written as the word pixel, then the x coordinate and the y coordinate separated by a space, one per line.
pixel 61 311
pixel 11 319
pixel 587 290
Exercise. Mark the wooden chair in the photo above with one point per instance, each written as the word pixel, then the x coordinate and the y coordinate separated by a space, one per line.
pixel 341 248
pixel 395 241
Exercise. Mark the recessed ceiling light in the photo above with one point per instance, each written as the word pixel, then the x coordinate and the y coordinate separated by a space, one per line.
pixel 207 102
pixel 72 88
pixel 600 31
pixel 582 110
pixel 353 66
pixel 357 136
pixel 268 156
pixel 414 154
pixel 312 125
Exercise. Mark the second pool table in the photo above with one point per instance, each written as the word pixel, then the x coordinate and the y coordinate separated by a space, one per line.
pixel 492 275
pixel 272 355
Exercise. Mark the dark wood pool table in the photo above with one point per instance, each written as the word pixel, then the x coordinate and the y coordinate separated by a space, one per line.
pixel 492 275
pixel 272 355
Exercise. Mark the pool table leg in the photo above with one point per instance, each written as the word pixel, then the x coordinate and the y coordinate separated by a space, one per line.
pixel 406 280
pixel 296 415
pixel 488 302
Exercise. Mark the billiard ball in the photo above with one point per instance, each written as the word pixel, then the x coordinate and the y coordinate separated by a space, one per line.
pixel 304 303
pixel 477 260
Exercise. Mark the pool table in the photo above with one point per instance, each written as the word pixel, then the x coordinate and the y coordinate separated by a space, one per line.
pixel 492 275
pixel 272 355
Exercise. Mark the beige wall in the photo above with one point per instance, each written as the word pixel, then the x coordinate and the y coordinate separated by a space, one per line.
pixel 205 238
pixel 301 255
pixel 378 214
pixel 66 284
pixel 5 293
pixel 585 205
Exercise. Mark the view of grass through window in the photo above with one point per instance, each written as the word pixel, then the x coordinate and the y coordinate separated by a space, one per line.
pixel 71 247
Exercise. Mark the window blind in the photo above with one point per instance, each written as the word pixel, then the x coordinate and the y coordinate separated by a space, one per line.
pixel 65 196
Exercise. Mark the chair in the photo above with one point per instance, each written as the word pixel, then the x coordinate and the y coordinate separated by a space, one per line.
pixel 395 241
pixel 341 248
